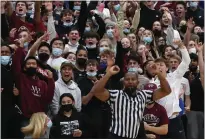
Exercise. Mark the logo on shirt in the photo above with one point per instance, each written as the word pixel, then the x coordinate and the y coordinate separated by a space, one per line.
pixel 151 119
pixel 36 91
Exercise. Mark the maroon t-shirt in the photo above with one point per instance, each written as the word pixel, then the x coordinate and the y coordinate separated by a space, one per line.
pixel 155 116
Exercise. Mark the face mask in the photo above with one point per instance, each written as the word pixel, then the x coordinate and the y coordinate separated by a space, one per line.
pixel 91 46
pixel 150 76
pixel 103 48
pixel 126 31
pixel 110 33
pixel 43 57
pixel 31 71
pixel 147 40
pixel 91 74
pixel 73 62
pixel 193 4
pixel 67 107
pixel 5 60
pixel 26 45
pixel 192 50
pixel 81 61
pixel 66 24
pixel 103 65
pixel 57 51
pixel 87 29
pixel 117 7
pixel 157 32
pixel 76 8
pixel 193 68
pixel 126 50
pixel 135 70
pixel 29 12
pixel 21 15
pixel 150 102
pixel 183 28
pixel 131 91
pixel 132 70
pixel 49 124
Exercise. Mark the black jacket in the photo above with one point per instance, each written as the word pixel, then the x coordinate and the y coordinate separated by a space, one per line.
pixel 64 126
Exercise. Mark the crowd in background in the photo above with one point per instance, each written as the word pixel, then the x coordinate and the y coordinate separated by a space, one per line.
pixel 102 69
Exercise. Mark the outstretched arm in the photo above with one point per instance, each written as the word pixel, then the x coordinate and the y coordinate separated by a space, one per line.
pixel 199 48
pixel 184 65
pixel 34 47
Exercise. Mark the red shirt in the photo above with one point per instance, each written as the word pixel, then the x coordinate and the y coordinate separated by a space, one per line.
pixel 155 116
pixel 15 22
pixel 35 94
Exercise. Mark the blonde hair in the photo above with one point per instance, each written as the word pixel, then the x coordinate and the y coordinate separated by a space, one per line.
pixel 108 41
pixel 36 125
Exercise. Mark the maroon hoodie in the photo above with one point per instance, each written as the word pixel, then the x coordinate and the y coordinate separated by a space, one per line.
pixel 35 94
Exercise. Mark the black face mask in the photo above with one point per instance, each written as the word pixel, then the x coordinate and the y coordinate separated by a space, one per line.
pixel 66 108
pixel 43 57
pixel 131 91
pixel 183 28
pixel 161 48
pixel 81 61
pixel 150 76
pixel 157 32
pixel 193 68
pixel 31 71
pixel 150 102
pixel 126 50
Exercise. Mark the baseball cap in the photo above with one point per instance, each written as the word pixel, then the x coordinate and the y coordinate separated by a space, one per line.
pixel 67 63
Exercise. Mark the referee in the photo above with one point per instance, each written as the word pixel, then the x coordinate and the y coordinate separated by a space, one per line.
pixel 128 104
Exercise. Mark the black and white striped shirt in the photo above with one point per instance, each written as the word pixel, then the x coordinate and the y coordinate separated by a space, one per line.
pixel 127 112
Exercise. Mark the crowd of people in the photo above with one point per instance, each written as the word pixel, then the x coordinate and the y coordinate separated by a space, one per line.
pixel 102 69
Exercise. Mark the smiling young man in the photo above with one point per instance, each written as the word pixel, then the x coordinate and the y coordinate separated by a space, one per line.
pixel 73 41
pixel 126 120
pixel 18 17
pixel 171 102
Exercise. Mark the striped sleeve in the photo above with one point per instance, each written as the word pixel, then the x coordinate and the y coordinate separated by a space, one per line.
pixel 148 95
pixel 113 95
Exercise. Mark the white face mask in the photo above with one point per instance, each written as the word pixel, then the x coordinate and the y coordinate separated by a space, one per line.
pixel 91 46
pixel 192 50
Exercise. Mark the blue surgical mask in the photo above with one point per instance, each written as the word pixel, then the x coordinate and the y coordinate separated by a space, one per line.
pixel 91 74
pixel 66 24
pixel 193 4
pixel 132 70
pixel 26 44
pixel 109 33
pixel 5 60
pixel 87 29
pixel 76 8
pixel 103 65
pixel 29 12
pixel 49 124
pixel 147 40
pixel 117 7
pixel 126 31
pixel 103 48
pixel 57 51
